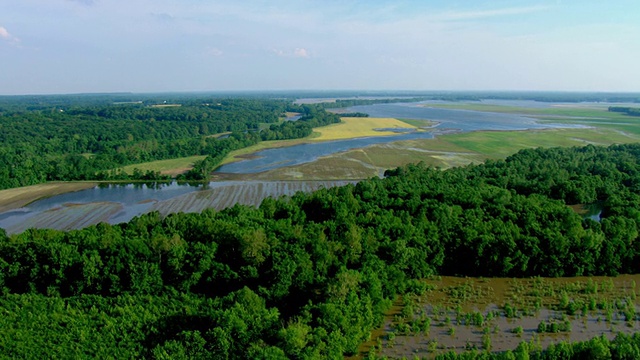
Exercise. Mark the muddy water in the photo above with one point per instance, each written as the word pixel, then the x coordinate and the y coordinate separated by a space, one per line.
pixel 451 304
pixel 120 203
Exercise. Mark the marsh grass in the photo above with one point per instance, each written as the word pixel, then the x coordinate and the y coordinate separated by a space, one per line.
pixel 536 311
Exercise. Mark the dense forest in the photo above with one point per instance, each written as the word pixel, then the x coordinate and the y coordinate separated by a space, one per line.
pixel 625 110
pixel 47 142
pixel 310 276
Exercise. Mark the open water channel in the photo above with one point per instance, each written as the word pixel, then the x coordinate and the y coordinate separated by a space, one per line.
pixel 115 204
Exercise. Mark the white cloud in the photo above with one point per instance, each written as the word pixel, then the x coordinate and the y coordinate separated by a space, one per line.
pixel 301 52
pixel 215 52
pixel 4 34
pixel 297 53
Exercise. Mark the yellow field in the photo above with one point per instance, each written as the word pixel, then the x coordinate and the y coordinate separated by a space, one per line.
pixel 166 167
pixel 350 127
pixel 19 197
pixel 355 127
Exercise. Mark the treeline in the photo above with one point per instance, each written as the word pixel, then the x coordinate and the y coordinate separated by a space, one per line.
pixel 343 103
pixel 312 117
pixel 622 347
pixel 354 114
pixel 92 142
pixel 625 110
pixel 310 276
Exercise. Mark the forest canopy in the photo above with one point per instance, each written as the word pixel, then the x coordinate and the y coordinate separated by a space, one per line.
pixel 91 140
pixel 310 276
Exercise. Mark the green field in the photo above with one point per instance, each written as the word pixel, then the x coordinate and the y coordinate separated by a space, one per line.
pixel 499 144
pixel 456 149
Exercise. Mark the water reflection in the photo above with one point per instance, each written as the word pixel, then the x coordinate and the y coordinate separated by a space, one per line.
pixel 449 119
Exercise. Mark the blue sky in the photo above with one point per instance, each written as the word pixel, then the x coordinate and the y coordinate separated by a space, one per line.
pixel 72 46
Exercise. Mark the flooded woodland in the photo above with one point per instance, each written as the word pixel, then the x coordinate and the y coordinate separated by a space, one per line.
pixel 496 314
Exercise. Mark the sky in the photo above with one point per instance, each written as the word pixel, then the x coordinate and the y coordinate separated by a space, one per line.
pixel 88 46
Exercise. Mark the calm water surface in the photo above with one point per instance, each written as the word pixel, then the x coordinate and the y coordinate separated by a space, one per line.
pixel 137 199
pixel 449 119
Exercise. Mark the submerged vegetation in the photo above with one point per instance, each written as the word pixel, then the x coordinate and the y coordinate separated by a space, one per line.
pixel 311 276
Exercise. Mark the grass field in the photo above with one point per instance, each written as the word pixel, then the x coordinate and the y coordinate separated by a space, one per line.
pixel 445 151
pixel 355 127
pixel 499 144
pixel 166 167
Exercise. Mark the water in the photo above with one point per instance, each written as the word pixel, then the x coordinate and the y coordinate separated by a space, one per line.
pixel 449 119
pixel 463 120
pixel 120 203
pixel 271 159
pixel 135 199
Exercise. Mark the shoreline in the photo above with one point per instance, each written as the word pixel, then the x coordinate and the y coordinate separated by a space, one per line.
pixel 16 198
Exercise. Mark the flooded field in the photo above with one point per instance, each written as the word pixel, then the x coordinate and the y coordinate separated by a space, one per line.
pixel 120 203
pixel 448 120
pixel 463 314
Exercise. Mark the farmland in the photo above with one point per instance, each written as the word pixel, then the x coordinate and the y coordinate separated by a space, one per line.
pixel 19 197
pixel 350 127
pixel 244 193
pixel 108 207
pixel 445 151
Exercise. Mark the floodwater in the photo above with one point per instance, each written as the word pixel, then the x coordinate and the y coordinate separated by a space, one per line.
pixel 448 119
pixel 299 154
pixel 74 210
pixel 462 120
pixel 451 302
pixel 120 203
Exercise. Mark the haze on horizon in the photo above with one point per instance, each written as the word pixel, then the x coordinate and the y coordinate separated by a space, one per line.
pixel 74 46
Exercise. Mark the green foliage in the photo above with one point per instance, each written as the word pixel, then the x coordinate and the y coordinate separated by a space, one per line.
pixel 310 276
pixel 92 142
